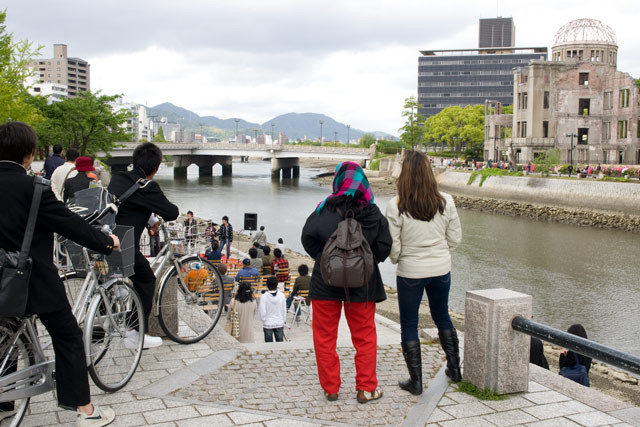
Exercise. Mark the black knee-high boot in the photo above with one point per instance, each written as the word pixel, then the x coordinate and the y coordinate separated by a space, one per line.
pixel 449 343
pixel 413 358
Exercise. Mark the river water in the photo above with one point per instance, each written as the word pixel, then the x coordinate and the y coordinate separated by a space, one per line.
pixel 575 274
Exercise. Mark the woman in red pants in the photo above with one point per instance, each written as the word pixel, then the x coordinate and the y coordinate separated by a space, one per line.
pixel 351 191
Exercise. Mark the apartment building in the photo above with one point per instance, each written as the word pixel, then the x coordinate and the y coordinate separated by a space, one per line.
pixel 74 73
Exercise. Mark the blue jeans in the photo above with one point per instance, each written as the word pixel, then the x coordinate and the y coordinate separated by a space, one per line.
pixel 269 333
pixel 410 293
pixel 224 242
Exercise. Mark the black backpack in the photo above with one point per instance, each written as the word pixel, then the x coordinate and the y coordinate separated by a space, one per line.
pixel 347 260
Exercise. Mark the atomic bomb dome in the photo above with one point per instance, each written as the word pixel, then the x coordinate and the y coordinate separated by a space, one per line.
pixel 587 40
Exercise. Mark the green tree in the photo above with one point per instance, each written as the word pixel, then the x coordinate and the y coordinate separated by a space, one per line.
pixel 366 140
pixel 87 123
pixel 547 160
pixel 460 128
pixel 412 131
pixel 159 136
pixel 14 60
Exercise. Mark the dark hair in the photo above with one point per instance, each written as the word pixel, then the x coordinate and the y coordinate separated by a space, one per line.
pixel 418 193
pixel 277 252
pixel 222 268
pixel 17 141
pixel 57 149
pixel 256 245
pixel 245 293
pixel 215 245
pixel 253 252
pixel 280 240
pixel 266 250
pixel 578 330
pixel 190 212
pixel 261 227
pixel 147 157
pixel 225 218
pixel 303 270
pixel 71 155
pixel 272 283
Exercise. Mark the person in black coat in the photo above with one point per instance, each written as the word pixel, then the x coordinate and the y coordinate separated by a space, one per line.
pixel 568 357
pixel 135 211
pixel 81 181
pixel 350 191
pixel 47 297
pixel 53 161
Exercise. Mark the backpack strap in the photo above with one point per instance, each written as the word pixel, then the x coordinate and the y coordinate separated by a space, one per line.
pixel 40 184
pixel 140 183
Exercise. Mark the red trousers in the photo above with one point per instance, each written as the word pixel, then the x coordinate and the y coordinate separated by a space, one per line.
pixel 361 320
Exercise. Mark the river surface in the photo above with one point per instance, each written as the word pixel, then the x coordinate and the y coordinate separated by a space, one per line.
pixel 575 274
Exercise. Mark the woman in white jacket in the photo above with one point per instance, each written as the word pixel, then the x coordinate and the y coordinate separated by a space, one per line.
pixel 425 227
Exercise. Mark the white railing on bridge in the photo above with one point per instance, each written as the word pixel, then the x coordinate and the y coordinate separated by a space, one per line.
pixel 247 147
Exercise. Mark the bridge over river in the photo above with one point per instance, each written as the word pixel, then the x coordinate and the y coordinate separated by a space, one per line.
pixel 285 159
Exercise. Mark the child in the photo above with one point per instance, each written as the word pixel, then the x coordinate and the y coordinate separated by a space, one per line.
pixel 273 311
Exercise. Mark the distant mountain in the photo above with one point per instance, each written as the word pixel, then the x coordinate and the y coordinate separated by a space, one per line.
pixel 294 125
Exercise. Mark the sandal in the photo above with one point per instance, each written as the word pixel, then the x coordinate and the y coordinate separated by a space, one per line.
pixel 331 397
pixel 366 396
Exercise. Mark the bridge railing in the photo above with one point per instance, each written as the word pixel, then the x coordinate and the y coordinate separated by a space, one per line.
pixel 252 147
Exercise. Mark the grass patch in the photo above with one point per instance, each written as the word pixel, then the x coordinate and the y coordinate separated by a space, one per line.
pixel 485 173
pixel 374 165
pixel 486 394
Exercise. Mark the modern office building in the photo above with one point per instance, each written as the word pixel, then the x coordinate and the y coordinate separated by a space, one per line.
pixel 497 32
pixel 470 76
pixel 74 73
pixel 578 103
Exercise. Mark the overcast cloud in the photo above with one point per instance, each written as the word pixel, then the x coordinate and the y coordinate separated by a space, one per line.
pixel 353 60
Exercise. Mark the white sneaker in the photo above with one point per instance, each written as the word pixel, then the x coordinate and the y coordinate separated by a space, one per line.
pixel 131 340
pixel 101 417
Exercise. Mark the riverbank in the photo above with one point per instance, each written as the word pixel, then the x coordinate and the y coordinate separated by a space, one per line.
pixel 603 378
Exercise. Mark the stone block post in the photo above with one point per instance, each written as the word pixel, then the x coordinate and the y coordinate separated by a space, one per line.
pixel 495 356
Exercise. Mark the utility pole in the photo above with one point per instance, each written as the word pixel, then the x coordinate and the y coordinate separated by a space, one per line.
pixel 348 128
pixel 272 126
pixel 321 123
pixel 255 132
pixel 335 138
pixel 236 120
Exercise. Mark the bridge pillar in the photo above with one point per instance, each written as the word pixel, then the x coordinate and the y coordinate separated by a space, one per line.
pixel 296 171
pixel 205 171
pixel 289 166
pixel 179 171
pixel 227 170
pixel 286 173
pixel 119 164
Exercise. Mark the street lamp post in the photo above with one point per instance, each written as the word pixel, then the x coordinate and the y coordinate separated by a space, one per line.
pixel 272 126
pixel 321 123
pixel 335 138
pixel 348 128
pixel 255 135
pixel 571 135
pixel 236 120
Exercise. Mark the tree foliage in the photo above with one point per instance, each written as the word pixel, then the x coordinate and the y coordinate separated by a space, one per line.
pixel 87 123
pixel 366 140
pixel 458 127
pixel 14 59
pixel 547 160
pixel 159 136
pixel 412 131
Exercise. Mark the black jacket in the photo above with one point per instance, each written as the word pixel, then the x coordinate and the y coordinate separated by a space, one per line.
pixel 136 210
pixel 51 163
pixel 79 182
pixel 569 360
pixel 319 228
pixel 46 291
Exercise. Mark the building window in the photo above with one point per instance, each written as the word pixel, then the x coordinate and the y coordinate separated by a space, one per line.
pixel 583 79
pixel 522 101
pixel 545 129
pixel 624 98
pixel 522 129
pixel 583 135
pixel 583 106
pixel 546 100
pixel 622 128
pixel 606 131
pixel 608 100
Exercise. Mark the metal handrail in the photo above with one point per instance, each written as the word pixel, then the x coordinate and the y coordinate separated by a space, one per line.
pixel 580 345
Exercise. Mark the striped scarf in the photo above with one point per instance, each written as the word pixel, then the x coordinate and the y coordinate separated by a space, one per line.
pixel 350 180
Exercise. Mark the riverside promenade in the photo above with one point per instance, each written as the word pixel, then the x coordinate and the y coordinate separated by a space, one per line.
pixel 220 382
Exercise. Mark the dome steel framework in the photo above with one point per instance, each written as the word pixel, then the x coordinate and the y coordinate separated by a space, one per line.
pixel 585 31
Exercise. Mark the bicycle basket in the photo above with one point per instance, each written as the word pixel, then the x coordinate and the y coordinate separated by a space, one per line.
pixel 121 262
pixel 91 200
pixel 75 252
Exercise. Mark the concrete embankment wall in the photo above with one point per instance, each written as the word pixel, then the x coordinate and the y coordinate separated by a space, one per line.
pixel 615 197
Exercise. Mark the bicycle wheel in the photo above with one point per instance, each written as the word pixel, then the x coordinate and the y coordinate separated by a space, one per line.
pixel 15 357
pixel 72 285
pixel 188 311
pixel 113 357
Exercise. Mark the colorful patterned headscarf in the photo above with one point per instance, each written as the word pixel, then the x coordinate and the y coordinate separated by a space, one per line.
pixel 350 180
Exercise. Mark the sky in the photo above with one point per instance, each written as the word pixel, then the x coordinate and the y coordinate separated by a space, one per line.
pixel 353 60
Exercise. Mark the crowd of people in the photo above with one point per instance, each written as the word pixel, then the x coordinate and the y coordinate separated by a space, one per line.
pixel 418 231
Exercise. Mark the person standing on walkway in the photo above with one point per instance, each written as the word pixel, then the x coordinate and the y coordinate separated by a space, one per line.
pixel 52 162
pixel 64 172
pixel 351 191
pixel 47 297
pixel 425 227
pixel 273 311
pixel 245 305
pixel 260 237
pixel 226 235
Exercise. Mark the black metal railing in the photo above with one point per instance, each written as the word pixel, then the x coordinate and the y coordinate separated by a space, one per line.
pixel 580 345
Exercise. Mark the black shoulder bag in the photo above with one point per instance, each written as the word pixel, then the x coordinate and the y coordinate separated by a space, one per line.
pixel 15 267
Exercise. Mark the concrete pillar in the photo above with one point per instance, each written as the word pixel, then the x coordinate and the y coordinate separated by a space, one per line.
pixel 496 356
pixel 286 173
pixel 205 171
pixel 275 173
pixel 296 171
pixel 287 165
pixel 227 170
pixel 179 171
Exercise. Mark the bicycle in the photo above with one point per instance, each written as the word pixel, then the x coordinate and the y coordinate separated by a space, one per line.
pixel 190 291
pixel 107 306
